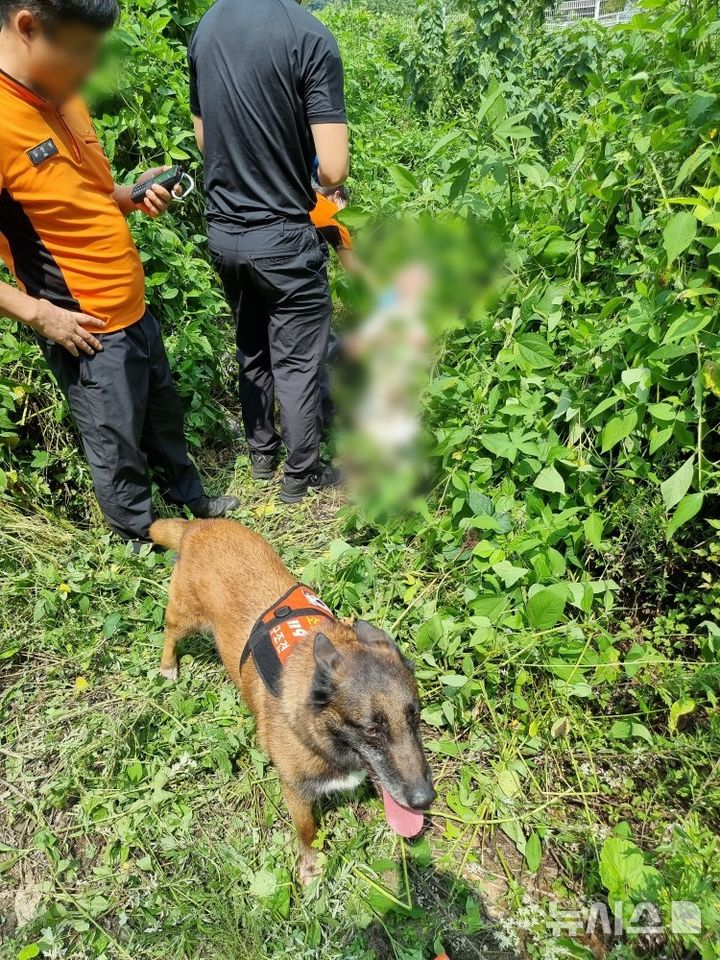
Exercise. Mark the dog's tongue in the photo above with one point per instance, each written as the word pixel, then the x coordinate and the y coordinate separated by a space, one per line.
pixel 403 820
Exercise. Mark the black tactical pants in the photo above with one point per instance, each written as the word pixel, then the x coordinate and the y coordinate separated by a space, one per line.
pixel 275 280
pixel 130 422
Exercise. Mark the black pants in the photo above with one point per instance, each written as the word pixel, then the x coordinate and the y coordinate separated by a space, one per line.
pixel 130 420
pixel 275 280
pixel 327 406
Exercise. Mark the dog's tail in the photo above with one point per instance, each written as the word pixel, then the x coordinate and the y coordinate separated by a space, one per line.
pixel 169 533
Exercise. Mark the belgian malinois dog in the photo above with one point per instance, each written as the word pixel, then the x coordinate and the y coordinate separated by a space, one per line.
pixel 338 704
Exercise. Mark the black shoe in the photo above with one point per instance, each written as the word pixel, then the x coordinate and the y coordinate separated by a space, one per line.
pixel 295 489
pixel 263 465
pixel 209 508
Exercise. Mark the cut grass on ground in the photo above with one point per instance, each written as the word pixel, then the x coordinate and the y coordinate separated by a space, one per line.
pixel 139 819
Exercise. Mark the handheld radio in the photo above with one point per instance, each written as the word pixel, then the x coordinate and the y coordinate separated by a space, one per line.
pixel 168 179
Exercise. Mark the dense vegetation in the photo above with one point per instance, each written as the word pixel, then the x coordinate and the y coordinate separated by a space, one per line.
pixel 558 586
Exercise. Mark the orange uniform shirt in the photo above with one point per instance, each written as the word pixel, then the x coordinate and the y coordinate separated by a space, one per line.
pixel 61 232
pixel 333 232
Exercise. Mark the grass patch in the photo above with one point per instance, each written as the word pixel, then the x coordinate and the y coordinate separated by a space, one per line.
pixel 140 819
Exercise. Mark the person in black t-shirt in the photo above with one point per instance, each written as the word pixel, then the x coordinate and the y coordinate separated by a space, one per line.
pixel 266 93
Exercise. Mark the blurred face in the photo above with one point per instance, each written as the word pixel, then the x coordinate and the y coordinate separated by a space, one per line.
pixel 339 200
pixel 58 58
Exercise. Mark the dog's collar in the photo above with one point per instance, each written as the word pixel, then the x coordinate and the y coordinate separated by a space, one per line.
pixel 277 632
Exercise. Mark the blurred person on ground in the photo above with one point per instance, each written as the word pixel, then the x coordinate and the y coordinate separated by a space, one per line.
pixel 266 94
pixel 435 274
pixel 393 346
pixel 382 449
pixel 64 236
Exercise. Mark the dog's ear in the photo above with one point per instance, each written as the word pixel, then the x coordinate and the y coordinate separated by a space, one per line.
pixel 327 660
pixel 326 656
pixel 370 634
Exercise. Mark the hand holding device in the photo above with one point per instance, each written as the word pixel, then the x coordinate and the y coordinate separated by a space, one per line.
pixel 169 179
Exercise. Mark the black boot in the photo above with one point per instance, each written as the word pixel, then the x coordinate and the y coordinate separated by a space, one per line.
pixel 295 489
pixel 264 465
pixel 209 508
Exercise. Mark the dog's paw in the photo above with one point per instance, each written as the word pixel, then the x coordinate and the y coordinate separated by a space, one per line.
pixel 170 673
pixel 308 868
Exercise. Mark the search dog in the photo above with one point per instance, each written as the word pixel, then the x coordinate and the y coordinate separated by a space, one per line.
pixel 346 704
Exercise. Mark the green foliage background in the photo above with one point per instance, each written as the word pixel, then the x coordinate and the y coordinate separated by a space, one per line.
pixel 558 587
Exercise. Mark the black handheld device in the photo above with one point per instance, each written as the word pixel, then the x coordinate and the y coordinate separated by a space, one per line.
pixel 168 179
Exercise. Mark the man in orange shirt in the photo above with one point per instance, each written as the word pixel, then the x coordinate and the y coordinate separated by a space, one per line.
pixel 64 236
pixel 330 201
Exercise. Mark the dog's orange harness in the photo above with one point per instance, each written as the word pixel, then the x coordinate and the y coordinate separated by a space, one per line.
pixel 276 633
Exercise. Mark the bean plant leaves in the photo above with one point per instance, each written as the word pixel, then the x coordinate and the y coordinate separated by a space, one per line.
pixel 711 377
pixel 676 486
pixel 545 607
pixel 444 141
pixel 688 508
pixel 533 852
pixel 687 326
pixel 558 249
pixel 403 178
pixel 480 503
pixel 678 234
pixel 623 870
pixel 534 350
pixel 263 884
pixel 551 480
pixel 680 708
pixel 353 217
pixel 593 527
pixel 490 606
pixel 617 429
pixel 500 445
pixel 627 729
pixel 28 952
pixel 509 573
pixel 560 728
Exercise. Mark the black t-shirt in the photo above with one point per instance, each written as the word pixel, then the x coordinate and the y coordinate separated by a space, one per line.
pixel 261 71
